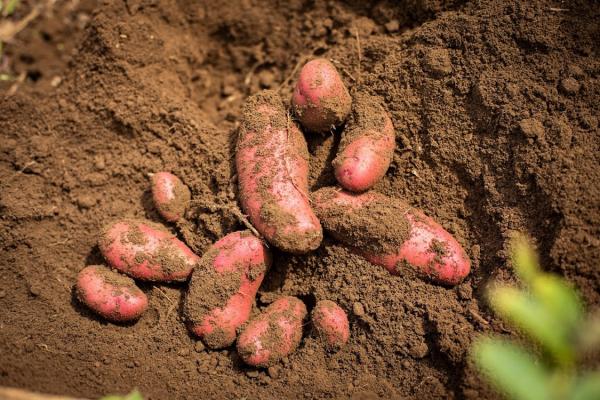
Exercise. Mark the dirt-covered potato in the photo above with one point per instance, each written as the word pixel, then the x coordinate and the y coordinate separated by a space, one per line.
pixel 320 100
pixel 145 250
pixel 110 294
pixel 367 145
pixel 272 166
pixel 171 197
pixel 223 286
pixel 390 233
pixel 274 334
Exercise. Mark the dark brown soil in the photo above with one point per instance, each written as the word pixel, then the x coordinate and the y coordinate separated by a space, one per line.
pixel 495 105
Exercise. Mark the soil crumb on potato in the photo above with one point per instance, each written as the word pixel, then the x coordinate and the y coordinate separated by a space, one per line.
pixel 378 227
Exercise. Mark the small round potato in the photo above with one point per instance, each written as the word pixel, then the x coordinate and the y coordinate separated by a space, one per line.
pixel 171 197
pixel 110 294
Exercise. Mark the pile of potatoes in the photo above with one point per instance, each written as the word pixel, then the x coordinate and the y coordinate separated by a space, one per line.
pixel 272 162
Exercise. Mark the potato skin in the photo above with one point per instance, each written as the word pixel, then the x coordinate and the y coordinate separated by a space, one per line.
pixel 272 166
pixel 390 233
pixel 223 286
pixel 330 324
pixel 146 251
pixel 110 294
pixel 274 334
pixel 367 145
pixel 171 197
pixel 320 100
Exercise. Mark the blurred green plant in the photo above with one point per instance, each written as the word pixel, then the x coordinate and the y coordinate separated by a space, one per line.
pixel 549 313
pixel 134 395
pixel 8 7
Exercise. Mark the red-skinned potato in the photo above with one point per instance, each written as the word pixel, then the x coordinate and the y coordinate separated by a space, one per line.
pixel 147 251
pixel 223 286
pixel 274 334
pixel 272 166
pixel 330 324
pixel 320 100
pixel 367 145
pixel 390 233
pixel 110 294
pixel 171 197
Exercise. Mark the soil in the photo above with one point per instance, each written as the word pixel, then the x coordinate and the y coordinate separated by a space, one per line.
pixel 495 107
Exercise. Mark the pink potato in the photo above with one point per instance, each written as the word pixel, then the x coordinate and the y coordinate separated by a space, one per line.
pixel 390 233
pixel 272 166
pixel 320 100
pixel 110 294
pixel 330 323
pixel 171 197
pixel 147 251
pixel 274 334
pixel 367 145
pixel 223 287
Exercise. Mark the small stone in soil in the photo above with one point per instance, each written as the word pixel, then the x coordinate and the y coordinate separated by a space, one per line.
pixel 99 163
pixel 273 372
pixel 358 309
pixel 86 201
pixel 252 374
pixel 199 347
pixel 392 26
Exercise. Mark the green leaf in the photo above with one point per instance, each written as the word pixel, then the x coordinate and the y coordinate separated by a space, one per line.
pixel 134 395
pixel 534 319
pixel 559 299
pixel 512 370
pixel 524 258
pixel 587 387
pixel 11 6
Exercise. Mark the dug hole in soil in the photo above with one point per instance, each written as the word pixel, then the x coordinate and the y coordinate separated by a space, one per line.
pixel 495 105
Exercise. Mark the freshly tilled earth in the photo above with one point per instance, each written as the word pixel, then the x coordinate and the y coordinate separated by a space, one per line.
pixel 495 108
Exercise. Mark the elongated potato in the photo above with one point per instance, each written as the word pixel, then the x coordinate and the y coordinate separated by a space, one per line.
pixel 274 334
pixel 367 145
pixel 320 99
pixel 330 324
pixel 223 287
pixel 390 233
pixel 110 294
pixel 272 166
pixel 147 251
pixel 171 197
